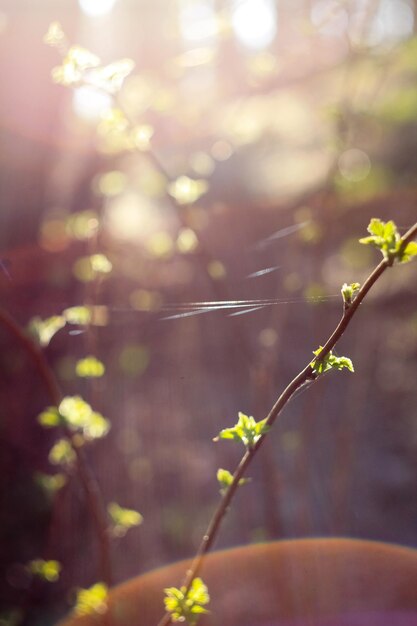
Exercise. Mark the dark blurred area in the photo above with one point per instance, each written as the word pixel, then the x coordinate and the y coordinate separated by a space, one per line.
pixel 267 133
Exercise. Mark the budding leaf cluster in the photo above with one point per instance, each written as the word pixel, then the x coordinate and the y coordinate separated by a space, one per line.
pixel 79 64
pixel 330 362
pixel 187 607
pixel 349 292
pixel 92 600
pixel 385 237
pixel 55 36
pixel 47 570
pixel 77 415
pixel 247 431
pixel 123 519
pixel 89 367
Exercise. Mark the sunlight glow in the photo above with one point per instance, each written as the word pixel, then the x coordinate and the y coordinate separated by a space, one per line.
pixel 198 20
pixel 124 217
pixel 254 22
pixel 132 217
pixel 89 103
pixel 329 17
pixel 393 21
pixel 96 7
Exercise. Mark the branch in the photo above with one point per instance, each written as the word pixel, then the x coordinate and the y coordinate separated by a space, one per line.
pixel 86 476
pixel 307 375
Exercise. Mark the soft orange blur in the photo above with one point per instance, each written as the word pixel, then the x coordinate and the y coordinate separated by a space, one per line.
pixel 321 581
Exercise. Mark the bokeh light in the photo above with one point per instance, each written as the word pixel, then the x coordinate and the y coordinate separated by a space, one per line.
pixel 198 21
pixel 354 164
pixel 166 158
pixel 89 103
pixel 254 22
pixel 394 21
pixel 329 17
pixel 95 8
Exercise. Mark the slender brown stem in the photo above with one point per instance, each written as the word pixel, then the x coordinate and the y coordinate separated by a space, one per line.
pixel 85 474
pixel 98 515
pixel 307 375
pixel 36 354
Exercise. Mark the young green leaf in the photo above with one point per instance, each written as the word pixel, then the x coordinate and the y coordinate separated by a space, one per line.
pixel 50 483
pixel 92 600
pixel 96 427
pixel 90 367
pixel 47 570
pixel 110 78
pixel 349 292
pixel 78 415
pixel 225 479
pixel 75 411
pixel 385 237
pixel 74 65
pixel 61 453
pixel 49 418
pixel 55 35
pixel 44 330
pixel 123 519
pixel 100 264
pixel 247 431
pixel 409 252
pixel 187 607
pixel 330 362
pixel 78 315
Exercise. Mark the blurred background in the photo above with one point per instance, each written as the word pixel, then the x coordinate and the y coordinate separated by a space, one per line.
pixel 239 163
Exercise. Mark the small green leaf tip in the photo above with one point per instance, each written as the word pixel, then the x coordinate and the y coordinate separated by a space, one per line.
pixel 92 600
pixel 187 607
pixel 349 292
pixel 123 519
pixel 385 237
pixel 225 479
pixel 247 431
pixel 47 570
pixel 330 362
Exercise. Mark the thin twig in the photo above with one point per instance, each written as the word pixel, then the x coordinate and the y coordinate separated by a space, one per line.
pixel 85 473
pixel 307 375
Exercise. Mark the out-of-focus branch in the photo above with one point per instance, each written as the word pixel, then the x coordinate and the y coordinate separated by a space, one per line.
pixel 85 473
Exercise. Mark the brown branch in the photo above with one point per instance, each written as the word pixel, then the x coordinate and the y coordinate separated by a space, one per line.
pixel 85 474
pixel 307 375
pixel 36 354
